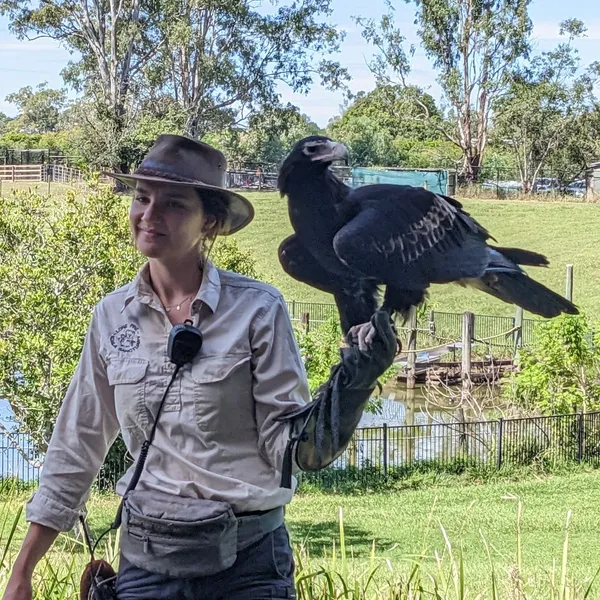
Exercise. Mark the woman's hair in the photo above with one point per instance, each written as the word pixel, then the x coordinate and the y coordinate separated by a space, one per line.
pixel 215 206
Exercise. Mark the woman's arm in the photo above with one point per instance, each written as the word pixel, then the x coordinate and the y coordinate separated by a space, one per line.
pixel 85 428
pixel 317 431
pixel 280 385
pixel 37 542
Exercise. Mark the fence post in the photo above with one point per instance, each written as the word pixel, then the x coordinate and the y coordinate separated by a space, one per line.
pixel 385 451
pixel 518 334
pixel 499 444
pixel 569 290
pixel 305 320
pixel 580 433
pixel 467 337
pixel 411 347
pixel 432 326
pixel 293 309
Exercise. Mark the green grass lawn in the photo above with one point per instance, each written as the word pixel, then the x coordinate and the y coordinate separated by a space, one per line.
pixel 406 525
pixel 566 232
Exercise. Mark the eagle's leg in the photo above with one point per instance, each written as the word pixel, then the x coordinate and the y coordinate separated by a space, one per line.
pixel 364 334
pixel 396 301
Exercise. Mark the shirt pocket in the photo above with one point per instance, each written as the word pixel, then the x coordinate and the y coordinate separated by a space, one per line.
pixel 127 375
pixel 222 392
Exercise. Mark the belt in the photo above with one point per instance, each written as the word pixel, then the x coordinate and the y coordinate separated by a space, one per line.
pixel 252 526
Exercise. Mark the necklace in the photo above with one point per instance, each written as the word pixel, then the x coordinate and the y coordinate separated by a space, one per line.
pixel 178 305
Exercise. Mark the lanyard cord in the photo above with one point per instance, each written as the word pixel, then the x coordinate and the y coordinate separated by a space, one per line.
pixel 137 472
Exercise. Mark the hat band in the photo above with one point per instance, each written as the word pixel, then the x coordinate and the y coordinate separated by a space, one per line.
pixel 146 171
pixel 159 168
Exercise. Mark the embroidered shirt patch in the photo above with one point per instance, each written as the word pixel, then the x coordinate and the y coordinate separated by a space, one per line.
pixel 126 338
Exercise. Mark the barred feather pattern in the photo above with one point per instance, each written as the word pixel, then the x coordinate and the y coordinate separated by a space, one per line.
pixel 421 236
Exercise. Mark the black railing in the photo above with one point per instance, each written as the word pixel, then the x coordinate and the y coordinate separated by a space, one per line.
pixel 378 454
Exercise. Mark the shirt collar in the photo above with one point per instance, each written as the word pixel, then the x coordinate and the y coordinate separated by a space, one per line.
pixel 209 292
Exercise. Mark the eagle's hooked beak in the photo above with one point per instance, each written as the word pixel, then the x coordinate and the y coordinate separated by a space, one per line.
pixel 332 151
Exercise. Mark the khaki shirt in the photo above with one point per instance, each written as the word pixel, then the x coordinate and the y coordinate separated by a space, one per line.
pixel 217 435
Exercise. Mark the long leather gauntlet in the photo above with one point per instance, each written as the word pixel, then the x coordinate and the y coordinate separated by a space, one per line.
pixel 321 430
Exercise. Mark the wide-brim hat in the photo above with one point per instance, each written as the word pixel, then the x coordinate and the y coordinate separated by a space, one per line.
pixel 179 160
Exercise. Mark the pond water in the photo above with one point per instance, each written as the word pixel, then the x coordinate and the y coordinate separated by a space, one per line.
pixel 427 404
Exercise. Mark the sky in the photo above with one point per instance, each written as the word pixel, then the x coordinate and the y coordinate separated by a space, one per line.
pixel 32 62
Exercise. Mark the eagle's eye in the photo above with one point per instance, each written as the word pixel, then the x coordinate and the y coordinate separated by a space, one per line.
pixel 311 149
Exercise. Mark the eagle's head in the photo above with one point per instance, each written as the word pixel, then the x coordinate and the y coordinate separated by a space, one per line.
pixel 310 155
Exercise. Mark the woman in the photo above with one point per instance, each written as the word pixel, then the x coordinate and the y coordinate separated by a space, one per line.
pixel 220 439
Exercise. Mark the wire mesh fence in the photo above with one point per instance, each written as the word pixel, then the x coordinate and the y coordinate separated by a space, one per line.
pixel 508 182
pixel 436 327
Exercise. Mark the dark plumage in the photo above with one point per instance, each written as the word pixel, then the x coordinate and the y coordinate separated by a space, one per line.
pixel 349 242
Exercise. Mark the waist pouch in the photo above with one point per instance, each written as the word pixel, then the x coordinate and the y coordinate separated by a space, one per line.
pixel 187 537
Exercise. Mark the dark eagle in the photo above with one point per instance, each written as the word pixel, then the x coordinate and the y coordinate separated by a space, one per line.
pixel 351 241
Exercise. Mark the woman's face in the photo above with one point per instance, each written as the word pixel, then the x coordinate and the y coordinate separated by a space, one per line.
pixel 167 221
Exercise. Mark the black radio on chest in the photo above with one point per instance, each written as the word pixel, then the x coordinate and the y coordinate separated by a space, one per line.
pixel 185 342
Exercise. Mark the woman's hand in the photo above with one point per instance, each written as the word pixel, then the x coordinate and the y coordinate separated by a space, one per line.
pixel 37 542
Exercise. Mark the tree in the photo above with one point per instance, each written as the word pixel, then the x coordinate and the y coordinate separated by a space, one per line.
pixel 368 143
pixel 267 138
pixel 60 257
pixel 4 121
pixel 272 133
pixel 396 109
pixel 559 373
pixel 114 40
pixel 473 45
pixel 222 61
pixel 549 110
pixel 39 110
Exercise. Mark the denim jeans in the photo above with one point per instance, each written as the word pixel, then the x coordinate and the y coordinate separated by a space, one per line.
pixel 262 571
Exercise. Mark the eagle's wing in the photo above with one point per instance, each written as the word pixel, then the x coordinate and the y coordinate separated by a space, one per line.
pixel 356 299
pixel 411 237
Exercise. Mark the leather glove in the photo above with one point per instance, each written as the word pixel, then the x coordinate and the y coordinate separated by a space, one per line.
pixel 321 430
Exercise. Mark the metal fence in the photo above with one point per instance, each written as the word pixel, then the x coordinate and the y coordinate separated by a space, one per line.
pixel 384 454
pixel 494 331
pixel 502 182
pixel 387 453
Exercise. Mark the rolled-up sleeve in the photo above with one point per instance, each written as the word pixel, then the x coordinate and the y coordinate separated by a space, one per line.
pixel 280 384
pixel 85 428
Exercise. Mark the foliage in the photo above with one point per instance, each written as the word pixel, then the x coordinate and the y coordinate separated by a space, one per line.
pixel 319 348
pixel 214 65
pixel 39 110
pixel 320 351
pixel 549 111
pixel 223 61
pixel 472 45
pixel 59 257
pixel 59 141
pixel 368 144
pixel 4 121
pixel 226 254
pixel 560 372
pixel 268 137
